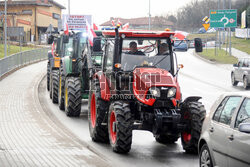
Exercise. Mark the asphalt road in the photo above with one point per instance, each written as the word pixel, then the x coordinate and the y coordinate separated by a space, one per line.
pixel 197 78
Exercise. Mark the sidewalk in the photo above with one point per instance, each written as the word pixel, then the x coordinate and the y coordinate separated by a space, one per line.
pixel 30 137
pixel 237 53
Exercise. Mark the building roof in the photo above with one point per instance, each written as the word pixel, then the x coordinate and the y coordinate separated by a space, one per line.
pixel 32 2
pixel 140 21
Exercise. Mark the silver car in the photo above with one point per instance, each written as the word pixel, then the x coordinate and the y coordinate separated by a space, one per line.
pixel 225 136
pixel 241 73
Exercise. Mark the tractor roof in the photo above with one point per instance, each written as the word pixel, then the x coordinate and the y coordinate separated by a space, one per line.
pixel 139 34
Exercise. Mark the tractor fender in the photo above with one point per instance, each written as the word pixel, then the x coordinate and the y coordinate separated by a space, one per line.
pixel 191 98
pixel 104 86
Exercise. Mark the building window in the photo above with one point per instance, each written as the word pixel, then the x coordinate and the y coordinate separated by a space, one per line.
pixel 28 12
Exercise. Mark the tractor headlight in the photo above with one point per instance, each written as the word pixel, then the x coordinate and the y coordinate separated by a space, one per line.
pixel 171 92
pixel 155 92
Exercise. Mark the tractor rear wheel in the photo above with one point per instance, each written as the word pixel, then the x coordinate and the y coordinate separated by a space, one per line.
pixel 54 86
pixel 61 90
pixel 193 115
pixel 48 76
pixel 167 138
pixel 120 126
pixel 72 96
pixel 98 109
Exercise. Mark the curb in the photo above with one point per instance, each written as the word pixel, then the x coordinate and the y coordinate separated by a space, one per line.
pixel 203 59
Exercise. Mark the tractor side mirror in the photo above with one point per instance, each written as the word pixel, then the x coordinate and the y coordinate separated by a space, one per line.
pixel 198 45
pixel 65 39
pixel 140 42
pixel 97 46
pixel 50 39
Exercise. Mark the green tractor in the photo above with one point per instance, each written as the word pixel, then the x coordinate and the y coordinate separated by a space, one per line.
pixel 53 64
pixel 75 71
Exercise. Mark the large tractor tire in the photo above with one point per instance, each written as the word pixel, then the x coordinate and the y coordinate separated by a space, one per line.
pixel 48 76
pixel 98 109
pixel 167 138
pixel 194 115
pixel 61 90
pixel 120 126
pixel 72 96
pixel 54 86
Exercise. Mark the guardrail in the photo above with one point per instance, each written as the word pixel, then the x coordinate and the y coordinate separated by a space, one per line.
pixel 18 60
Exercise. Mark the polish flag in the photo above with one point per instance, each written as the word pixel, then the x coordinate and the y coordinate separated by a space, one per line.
pixel 95 27
pixel 90 32
pixel 126 26
pixel 66 32
pixel 180 35
pixel 119 22
pixel 52 49
pixel 113 22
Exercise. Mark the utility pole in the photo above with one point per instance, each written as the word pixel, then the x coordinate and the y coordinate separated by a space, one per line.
pixel 219 28
pixel 149 18
pixel 69 7
pixel 5 29
pixel 230 46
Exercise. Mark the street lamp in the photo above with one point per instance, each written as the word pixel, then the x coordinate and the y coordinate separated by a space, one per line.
pixel 69 6
pixel 149 18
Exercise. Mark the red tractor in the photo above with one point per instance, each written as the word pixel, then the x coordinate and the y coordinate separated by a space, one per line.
pixel 138 89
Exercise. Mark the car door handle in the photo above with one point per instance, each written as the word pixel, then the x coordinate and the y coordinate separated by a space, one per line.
pixel 211 129
pixel 231 137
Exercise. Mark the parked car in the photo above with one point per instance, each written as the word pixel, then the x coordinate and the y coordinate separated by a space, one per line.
pixel 180 45
pixel 225 136
pixel 241 73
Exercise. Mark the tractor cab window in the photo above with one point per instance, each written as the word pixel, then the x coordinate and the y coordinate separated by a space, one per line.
pixel 69 47
pixel 145 52
pixel 81 45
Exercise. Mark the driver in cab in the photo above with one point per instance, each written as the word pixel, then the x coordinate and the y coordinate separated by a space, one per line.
pixel 133 49
pixel 163 49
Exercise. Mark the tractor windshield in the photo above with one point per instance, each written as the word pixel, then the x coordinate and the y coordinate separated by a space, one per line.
pixel 145 52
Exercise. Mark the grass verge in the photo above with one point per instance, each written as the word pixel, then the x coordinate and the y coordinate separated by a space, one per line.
pixel 241 44
pixel 222 56
pixel 12 49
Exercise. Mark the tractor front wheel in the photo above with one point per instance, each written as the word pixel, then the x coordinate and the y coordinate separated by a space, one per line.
pixel 120 126
pixel 193 115
pixel 48 76
pixel 98 110
pixel 72 96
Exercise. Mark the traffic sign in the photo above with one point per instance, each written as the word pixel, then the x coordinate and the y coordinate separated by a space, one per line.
pixel 223 18
pixel 206 26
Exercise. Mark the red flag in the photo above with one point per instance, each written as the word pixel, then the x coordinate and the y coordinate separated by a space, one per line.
pixel 113 22
pixel 95 27
pixel 126 26
pixel 52 48
pixel 66 32
pixel 119 22
pixel 90 32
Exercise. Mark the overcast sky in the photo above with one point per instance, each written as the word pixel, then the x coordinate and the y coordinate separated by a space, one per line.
pixel 102 10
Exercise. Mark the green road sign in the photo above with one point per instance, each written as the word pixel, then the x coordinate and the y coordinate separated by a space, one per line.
pixel 223 18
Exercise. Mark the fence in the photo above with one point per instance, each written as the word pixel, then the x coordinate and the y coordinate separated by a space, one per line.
pixel 17 60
